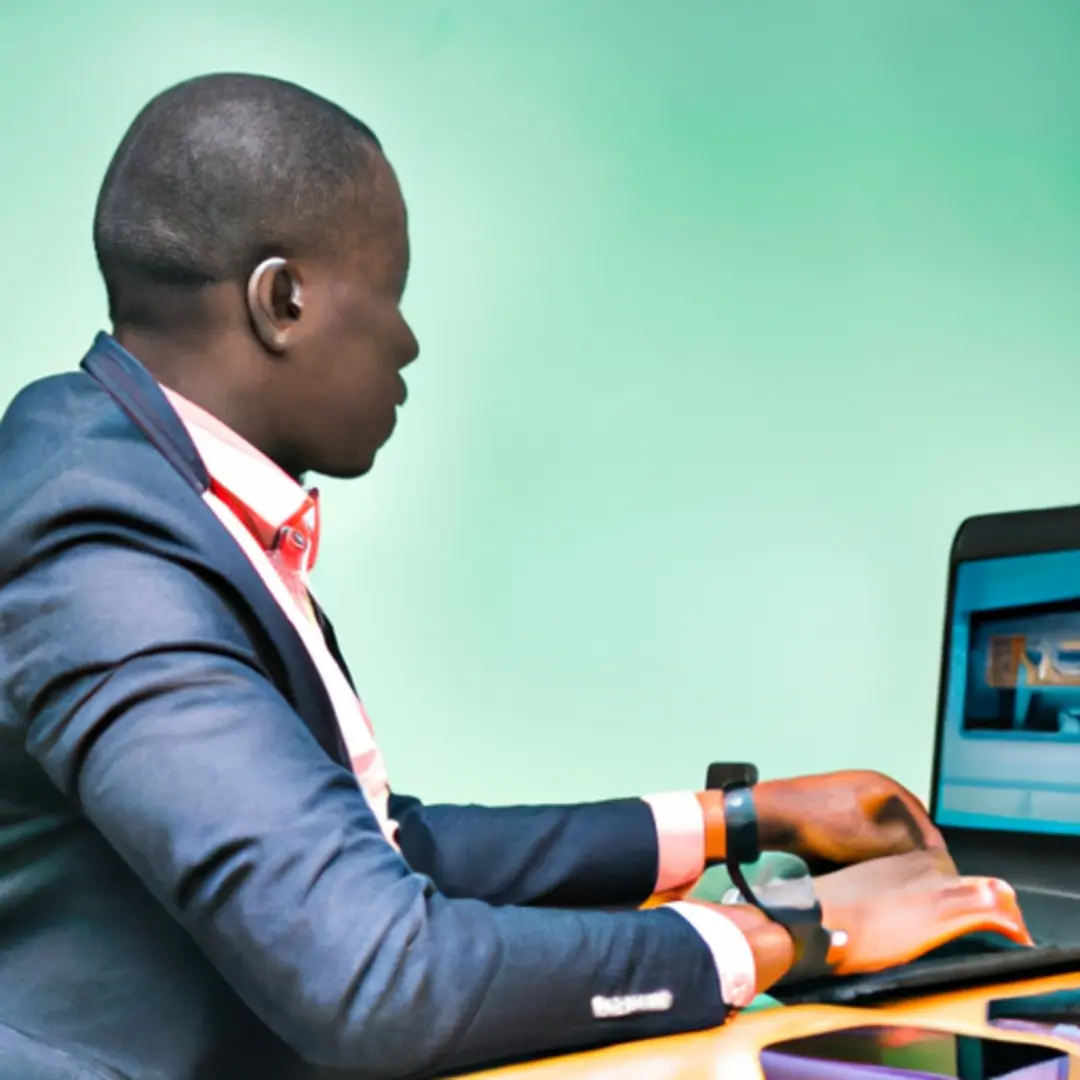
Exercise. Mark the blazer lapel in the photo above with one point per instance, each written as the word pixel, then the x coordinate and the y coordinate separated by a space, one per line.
pixel 135 391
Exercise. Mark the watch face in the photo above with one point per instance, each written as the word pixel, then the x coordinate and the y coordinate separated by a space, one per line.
pixel 730 774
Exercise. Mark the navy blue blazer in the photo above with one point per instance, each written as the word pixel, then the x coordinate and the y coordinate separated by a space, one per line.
pixel 192 884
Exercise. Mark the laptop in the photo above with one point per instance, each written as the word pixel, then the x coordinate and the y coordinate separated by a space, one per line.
pixel 1006 772
pixel 1005 788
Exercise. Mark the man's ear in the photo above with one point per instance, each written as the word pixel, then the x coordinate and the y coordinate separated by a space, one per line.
pixel 275 298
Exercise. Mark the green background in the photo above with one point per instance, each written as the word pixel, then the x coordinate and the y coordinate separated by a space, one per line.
pixel 731 311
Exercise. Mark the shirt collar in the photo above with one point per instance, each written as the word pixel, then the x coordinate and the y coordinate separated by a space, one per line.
pixel 271 503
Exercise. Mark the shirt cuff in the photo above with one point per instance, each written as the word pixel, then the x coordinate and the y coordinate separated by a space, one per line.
pixel 680 839
pixel 734 959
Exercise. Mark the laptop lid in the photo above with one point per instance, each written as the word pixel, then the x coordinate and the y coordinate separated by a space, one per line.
pixel 1006 771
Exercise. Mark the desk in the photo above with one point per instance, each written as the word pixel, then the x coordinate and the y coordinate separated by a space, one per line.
pixel 734 1051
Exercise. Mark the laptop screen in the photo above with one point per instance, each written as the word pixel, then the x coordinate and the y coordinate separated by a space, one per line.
pixel 1009 738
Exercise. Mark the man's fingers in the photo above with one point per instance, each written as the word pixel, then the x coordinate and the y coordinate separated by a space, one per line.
pixel 978 905
pixel 999 900
pixel 1007 924
pixel 864 957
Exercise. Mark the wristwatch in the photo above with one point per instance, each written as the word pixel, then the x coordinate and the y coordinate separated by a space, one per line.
pixel 796 908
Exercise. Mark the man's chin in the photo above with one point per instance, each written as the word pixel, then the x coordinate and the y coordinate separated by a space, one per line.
pixel 353 468
pixel 357 460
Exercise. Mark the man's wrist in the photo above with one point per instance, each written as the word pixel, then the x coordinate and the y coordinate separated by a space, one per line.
pixel 761 810
pixel 751 952
pixel 680 840
pixel 691 831
pixel 732 953
pixel 712 812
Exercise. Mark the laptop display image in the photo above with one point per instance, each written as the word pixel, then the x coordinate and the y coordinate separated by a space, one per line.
pixel 1010 740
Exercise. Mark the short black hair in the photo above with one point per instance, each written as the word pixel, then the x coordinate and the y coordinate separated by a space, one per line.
pixel 220 172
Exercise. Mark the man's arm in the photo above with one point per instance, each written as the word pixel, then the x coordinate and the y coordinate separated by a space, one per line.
pixel 606 854
pixel 147 706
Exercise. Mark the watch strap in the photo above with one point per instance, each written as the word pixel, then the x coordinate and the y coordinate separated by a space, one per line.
pixel 742 841
pixel 811 939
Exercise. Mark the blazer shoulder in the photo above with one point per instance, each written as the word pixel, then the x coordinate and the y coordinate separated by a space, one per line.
pixel 51 403
pixel 74 465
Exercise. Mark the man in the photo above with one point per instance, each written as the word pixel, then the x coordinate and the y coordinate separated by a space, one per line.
pixel 204 870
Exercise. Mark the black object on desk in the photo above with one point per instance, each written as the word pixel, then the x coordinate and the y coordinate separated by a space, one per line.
pixel 975 960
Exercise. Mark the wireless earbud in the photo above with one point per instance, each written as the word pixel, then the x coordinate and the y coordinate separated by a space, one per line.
pixel 288 305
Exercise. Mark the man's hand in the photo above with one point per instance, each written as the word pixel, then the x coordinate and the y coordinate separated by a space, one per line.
pixel 896 909
pixel 890 911
pixel 830 820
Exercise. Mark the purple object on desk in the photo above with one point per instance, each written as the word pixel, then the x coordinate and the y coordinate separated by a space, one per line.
pixel 1069 1032
pixel 788 1067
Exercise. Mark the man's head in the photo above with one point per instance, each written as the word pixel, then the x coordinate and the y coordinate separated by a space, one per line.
pixel 254 246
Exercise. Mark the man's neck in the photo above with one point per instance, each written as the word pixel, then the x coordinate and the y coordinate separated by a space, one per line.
pixel 210 377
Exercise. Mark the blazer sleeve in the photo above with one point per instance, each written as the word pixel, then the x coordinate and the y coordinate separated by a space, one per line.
pixel 143 698
pixel 592 855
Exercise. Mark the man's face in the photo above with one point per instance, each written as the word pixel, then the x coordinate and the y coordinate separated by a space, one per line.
pixel 346 382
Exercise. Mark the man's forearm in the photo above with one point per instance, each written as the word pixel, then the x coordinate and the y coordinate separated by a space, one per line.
pixel 606 854
pixel 591 855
